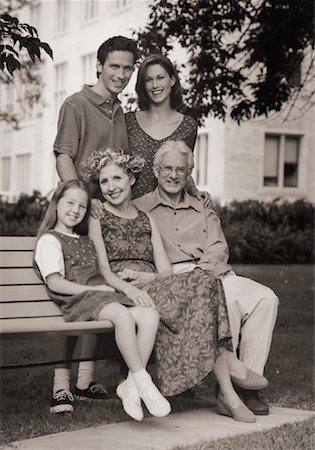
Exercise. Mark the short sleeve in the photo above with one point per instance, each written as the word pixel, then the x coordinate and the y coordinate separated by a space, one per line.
pixel 69 130
pixel 49 257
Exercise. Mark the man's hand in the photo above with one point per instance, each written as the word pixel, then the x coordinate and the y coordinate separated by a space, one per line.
pixel 97 210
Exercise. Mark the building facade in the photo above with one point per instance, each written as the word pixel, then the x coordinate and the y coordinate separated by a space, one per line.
pixel 258 159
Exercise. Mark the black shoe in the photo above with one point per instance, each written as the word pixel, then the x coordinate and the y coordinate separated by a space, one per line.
pixel 62 401
pixel 254 402
pixel 93 392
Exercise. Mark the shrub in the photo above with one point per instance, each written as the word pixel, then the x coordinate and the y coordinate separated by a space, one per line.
pixel 274 232
pixel 269 232
pixel 23 217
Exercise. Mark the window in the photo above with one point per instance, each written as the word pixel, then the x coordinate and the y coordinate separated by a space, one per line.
pixel 62 15
pixel 89 68
pixel 294 69
pixel 35 14
pixel 6 169
pixel 60 84
pixel 122 3
pixel 291 159
pixel 23 173
pixel 10 98
pixel 201 160
pixel 281 160
pixel 90 10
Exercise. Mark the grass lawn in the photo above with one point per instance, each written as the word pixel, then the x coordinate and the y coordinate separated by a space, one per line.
pixel 291 436
pixel 25 393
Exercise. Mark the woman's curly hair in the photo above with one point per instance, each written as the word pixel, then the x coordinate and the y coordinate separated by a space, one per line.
pixel 91 167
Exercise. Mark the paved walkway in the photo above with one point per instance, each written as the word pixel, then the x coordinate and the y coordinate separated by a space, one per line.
pixel 177 429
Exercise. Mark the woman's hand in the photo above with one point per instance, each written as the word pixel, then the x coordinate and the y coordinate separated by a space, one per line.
pixel 101 287
pixel 128 274
pixel 138 279
pixel 139 297
pixel 205 196
pixel 97 209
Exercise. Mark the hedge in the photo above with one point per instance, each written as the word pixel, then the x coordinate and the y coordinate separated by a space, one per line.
pixel 23 217
pixel 273 232
pixel 257 232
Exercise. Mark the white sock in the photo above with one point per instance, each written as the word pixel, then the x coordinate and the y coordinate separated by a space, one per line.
pixel 85 374
pixel 61 379
pixel 130 379
pixel 140 376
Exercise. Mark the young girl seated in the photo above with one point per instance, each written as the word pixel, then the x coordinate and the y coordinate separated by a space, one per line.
pixel 68 264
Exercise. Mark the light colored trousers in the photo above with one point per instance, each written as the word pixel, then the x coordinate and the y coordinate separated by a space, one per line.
pixel 252 310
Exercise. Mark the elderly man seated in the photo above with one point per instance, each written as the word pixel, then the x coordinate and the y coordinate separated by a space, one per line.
pixel 193 237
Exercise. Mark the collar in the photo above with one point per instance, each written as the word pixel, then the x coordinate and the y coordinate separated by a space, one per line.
pixel 96 98
pixel 187 202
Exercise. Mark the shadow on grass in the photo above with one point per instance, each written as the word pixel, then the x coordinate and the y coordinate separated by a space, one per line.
pixel 25 393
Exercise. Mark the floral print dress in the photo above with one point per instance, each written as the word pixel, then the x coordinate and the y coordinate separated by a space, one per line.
pixel 140 143
pixel 194 323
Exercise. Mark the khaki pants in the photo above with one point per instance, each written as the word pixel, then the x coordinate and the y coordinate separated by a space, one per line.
pixel 252 309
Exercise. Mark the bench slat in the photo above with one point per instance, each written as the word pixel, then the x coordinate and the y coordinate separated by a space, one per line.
pixel 25 300
pixel 18 276
pixel 10 328
pixel 29 309
pixel 23 293
pixel 16 259
pixel 17 242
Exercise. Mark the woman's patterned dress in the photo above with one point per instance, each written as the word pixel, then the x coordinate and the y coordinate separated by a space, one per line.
pixel 192 306
pixel 140 143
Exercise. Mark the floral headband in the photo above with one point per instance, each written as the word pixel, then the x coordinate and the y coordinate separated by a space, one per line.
pixel 91 168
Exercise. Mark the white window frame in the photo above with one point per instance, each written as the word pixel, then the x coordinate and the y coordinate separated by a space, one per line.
pixel 62 16
pixel 6 164
pixel 24 172
pixel 201 160
pixel 281 160
pixel 35 12
pixel 88 63
pixel 61 74
pixel 120 4
pixel 90 10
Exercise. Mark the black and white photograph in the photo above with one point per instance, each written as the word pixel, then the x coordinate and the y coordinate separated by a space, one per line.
pixel 157 192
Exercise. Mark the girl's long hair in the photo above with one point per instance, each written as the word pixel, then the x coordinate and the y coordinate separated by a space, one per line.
pixel 50 218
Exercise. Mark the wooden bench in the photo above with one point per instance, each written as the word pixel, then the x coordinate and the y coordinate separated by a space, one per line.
pixel 25 308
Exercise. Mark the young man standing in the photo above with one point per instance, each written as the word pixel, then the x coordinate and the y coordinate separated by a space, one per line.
pixel 89 120
pixel 93 118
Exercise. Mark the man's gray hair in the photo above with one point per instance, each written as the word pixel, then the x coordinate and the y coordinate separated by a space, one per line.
pixel 170 147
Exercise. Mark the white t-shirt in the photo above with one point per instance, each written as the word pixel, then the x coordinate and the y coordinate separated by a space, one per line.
pixel 49 256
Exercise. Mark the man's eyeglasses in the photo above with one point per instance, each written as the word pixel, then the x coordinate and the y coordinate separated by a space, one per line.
pixel 166 170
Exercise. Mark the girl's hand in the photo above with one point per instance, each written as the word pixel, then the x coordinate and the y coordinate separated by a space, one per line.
pixel 139 297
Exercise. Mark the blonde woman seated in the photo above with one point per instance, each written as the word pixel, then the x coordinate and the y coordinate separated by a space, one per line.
pixel 194 335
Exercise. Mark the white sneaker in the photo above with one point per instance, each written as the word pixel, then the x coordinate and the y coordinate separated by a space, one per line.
pixel 130 398
pixel 157 405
